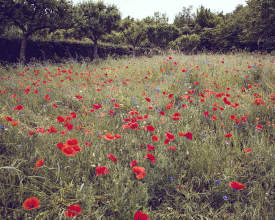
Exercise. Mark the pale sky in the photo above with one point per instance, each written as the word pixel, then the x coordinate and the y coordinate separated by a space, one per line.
pixel 139 9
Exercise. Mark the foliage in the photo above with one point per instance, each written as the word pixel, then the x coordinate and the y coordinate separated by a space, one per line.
pixel 94 19
pixel 186 43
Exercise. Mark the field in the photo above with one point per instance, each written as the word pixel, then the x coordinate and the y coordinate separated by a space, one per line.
pixel 167 137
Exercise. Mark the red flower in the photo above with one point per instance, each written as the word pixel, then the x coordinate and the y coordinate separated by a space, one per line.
pixel 150 128
pixel 18 107
pixel 73 210
pixel 112 157
pixel 47 97
pixel 155 138
pixel 133 163
pixel 101 170
pixel 259 127
pixel 189 135
pixel 72 142
pixel 8 118
pixel 206 114
pixel 228 135
pixel 139 171
pixel 60 119
pixel 68 150
pixel 31 203
pixel 237 185
pixel 169 136
pixel 150 147
pixel 148 99
pixel 139 215
pixel 79 96
pixel 38 164
pixel 150 157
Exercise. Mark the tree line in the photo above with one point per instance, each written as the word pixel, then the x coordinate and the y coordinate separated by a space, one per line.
pixel 250 27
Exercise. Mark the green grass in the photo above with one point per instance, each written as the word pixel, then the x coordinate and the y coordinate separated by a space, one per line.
pixel 190 182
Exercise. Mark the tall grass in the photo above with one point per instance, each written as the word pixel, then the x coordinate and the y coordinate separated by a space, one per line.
pixel 189 182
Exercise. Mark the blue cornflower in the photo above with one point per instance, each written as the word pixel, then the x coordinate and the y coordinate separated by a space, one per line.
pixel 225 198
pixel 218 181
pixel 2 127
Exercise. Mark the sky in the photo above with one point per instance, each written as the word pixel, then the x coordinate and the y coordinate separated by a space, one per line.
pixel 140 9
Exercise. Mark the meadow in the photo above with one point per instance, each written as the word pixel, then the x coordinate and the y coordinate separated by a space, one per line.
pixel 166 137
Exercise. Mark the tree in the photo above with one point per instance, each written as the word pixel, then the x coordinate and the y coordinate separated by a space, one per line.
pixel 32 15
pixel 184 18
pixel 260 22
pixel 161 34
pixel 93 20
pixel 205 18
pixel 134 32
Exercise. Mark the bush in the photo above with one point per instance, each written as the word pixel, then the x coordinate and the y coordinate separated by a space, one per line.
pixel 186 43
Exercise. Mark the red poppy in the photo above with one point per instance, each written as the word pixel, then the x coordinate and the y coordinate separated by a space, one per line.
pixel 150 157
pixel 73 210
pixel 214 117
pixel 139 215
pixel 237 185
pixel 228 135
pixel 169 136
pixel 14 123
pixel 150 147
pixel 248 150
pixel 47 97
pixel 133 163
pixel 72 142
pixel 112 157
pixel 139 171
pixel 206 114
pixel 189 135
pixel 38 164
pixel 148 99
pixel 259 127
pixel 60 119
pixel 101 170
pixel 150 128
pixel 155 138
pixel 8 118
pixel 31 203
pixel 79 96
pixel 18 107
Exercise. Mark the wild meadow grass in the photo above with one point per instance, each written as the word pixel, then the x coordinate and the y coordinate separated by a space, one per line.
pixel 72 133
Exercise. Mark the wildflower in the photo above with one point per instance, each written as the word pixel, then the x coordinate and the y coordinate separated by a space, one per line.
pixel 47 97
pixel 139 215
pixel 189 135
pixel 31 203
pixel 225 198
pixel 133 163
pixel 228 135
pixel 259 127
pixel 38 164
pixel 112 157
pixel 237 185
pixel 139 171
pixel 150 157
pixel 155 138
pixel 248 150
pixel 150 147
pixel 101 170
pixel 73 210
pixel 18 107
pixel 150 128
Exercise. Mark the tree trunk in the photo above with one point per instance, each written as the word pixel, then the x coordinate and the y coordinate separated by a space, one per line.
pixel 23 47
pixel 95 50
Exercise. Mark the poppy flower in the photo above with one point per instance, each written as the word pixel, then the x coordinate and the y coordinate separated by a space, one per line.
pixel 14 123
pixel 248 150
pixel 47 97
pixel 8 118
pixel 68 150
pixel 139 171
pixel 133 163
pixel 150 147
pixel 139 215
pixel 60 119
pixel 112 157
pixel 189 135
pixel 259 127
pixel 101 170
pixel 148 99
pixel 73 210
pixel 18 107
pixel 150 157
pixel 169 136
pixel 228 135
pixel 31 203
pixel 155 138
pixel 237 185
pixel 38 164
pixel 72 142
pixel 79 97
pixel 150 128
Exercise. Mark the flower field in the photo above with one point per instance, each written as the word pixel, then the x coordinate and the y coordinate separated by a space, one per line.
pixel 167 137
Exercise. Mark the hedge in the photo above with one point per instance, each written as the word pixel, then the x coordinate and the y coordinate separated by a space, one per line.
pixel 55 51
